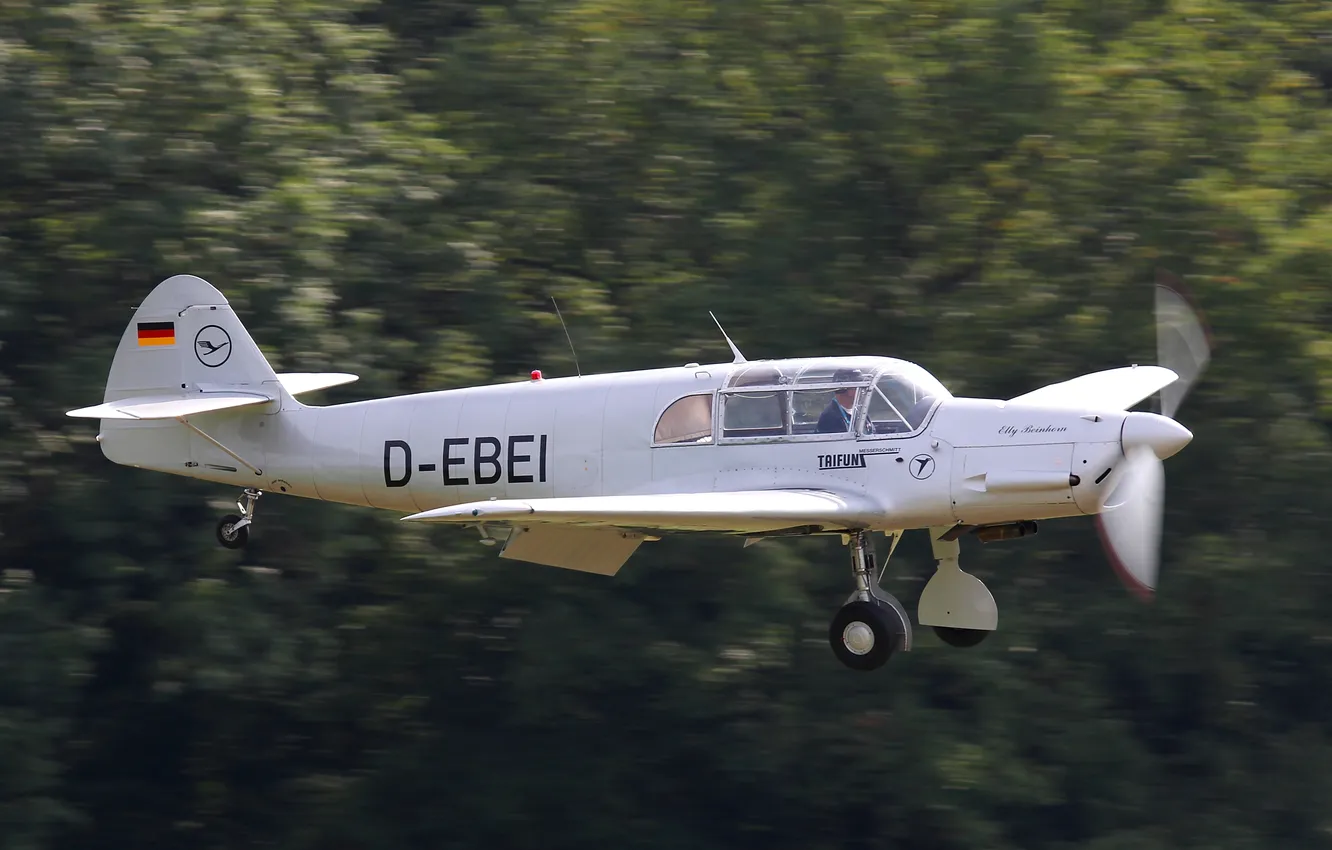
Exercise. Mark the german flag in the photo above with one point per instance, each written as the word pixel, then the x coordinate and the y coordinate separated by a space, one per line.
pixel 157 333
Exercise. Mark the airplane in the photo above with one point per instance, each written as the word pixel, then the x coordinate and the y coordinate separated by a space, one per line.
pixel 577 472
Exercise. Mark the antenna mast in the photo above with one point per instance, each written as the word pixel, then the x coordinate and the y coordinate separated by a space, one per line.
pixel 739 358
pixel 566 336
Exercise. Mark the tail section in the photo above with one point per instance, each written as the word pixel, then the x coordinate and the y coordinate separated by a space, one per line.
pixel 189 391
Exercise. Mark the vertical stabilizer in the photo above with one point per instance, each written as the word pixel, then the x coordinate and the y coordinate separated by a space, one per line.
pixel 185 337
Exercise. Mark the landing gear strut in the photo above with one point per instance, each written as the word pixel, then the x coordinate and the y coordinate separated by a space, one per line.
pixel 872 625
pixel 233 531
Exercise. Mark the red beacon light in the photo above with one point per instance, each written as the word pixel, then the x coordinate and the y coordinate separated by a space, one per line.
pixel 536 374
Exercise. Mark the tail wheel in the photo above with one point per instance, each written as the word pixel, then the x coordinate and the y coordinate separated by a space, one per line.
pixel 229 535
pixel 864 634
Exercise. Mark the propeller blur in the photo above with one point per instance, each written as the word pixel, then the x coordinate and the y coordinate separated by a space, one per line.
pixel 1131 517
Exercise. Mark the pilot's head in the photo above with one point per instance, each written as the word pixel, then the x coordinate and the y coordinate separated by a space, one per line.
pixel 846 396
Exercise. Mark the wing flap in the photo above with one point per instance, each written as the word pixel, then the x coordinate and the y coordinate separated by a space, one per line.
pixel 590 550
pixel 297 383
pixel 168 407
pixel 734 511
pixel 1118 389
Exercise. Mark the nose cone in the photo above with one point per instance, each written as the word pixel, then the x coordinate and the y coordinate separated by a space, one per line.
pixel 1163 435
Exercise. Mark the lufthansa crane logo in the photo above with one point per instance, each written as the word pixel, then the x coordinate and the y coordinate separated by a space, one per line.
pixel 212 345
pixel 922 467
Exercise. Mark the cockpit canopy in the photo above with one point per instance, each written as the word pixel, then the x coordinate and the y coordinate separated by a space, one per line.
pixel 825 397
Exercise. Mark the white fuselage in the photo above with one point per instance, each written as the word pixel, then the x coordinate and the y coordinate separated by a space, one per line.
pixel 972 461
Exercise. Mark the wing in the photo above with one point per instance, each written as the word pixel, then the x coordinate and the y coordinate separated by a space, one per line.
pixel 597 534
pixel 168 407
pixel 307 382
pixel 744 511
pixel 1118 389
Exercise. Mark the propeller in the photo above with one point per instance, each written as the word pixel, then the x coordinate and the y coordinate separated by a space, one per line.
pixel 1130 521
pixel 1183 345
pixel 1130 518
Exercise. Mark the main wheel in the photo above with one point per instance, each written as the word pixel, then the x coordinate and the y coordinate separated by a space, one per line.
pixel 961 637
pixel 229 535
pixel 864 634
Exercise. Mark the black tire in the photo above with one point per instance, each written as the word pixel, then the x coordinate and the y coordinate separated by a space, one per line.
pixel 229 536
pixel 961 637
pixel 866 650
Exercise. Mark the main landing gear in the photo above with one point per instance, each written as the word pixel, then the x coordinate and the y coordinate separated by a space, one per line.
pixel 872 625
pixel 233 531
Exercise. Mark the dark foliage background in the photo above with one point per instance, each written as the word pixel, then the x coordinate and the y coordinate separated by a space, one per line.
pixel 396 189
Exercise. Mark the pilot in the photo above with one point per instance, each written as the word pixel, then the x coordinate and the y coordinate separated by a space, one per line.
pixel 836 417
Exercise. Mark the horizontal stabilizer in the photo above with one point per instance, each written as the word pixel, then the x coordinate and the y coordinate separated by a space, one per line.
pixel 735 511
pixel 1114 389
pixel 307 382
pixel 168 407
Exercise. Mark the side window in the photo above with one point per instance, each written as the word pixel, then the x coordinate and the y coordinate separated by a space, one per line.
pixel 754 414
pixel 687 420
pixel 823 411
pixel 896 406
pixel 806 408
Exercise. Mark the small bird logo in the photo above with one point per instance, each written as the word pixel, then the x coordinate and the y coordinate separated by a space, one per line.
pixel 212 346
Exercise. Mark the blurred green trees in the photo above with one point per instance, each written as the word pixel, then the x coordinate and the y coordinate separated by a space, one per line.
pixel 398 188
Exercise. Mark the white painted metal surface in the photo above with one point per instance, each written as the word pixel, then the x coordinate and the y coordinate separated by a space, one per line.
pixel 583 467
